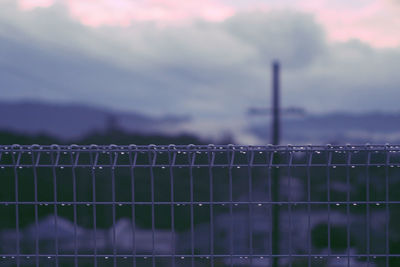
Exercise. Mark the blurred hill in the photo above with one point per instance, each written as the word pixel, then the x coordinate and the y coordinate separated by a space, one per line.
pixel 374 127
pixel 72 121
pixel 76 123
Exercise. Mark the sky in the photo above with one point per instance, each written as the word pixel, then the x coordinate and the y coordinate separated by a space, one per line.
pixel 209 59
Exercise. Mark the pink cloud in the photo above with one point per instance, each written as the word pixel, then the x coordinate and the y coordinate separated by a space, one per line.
pixel 30 4
pixel 376 22
pixel 124 12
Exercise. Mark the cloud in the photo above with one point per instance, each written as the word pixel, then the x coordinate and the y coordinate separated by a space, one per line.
pixel 125 12
pixel 395 2
pixel 31 4
pixel 351 77
pixel 213 71
pixel 376 22
pixel 292 37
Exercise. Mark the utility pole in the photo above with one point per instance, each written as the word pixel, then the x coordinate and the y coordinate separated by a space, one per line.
pixel 275 172
pixel 277 112
pixel 275 103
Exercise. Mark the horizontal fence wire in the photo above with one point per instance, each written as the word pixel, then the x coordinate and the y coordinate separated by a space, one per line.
pixel 199 205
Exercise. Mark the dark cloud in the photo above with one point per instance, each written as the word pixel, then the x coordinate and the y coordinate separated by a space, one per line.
pixel 293 38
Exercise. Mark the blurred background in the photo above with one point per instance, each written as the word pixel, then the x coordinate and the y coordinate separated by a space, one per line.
pixel 199 72
pixel 80 71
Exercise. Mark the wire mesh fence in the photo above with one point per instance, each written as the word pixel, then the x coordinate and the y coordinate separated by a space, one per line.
pixel 200 205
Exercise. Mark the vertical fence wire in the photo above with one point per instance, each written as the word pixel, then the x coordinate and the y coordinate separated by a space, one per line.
pixel 308 173
pixel 270 206
pixel 16 166
pixel 132 163
pixel 94 207
pixel 276 220
pixel 289 173
pixel 230 158
pixel 54 162
pixel 348 191
pixel 35 188
pixel 387 215
pixel 210 160
pixel 74 162
pixel 250 158
pixel 191 158
pixel 328 181
pixel 171 160
pixel 152 153
pixel 113 161
pixel 367 176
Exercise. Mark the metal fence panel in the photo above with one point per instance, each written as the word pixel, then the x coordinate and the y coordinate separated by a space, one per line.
pixel 199 205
